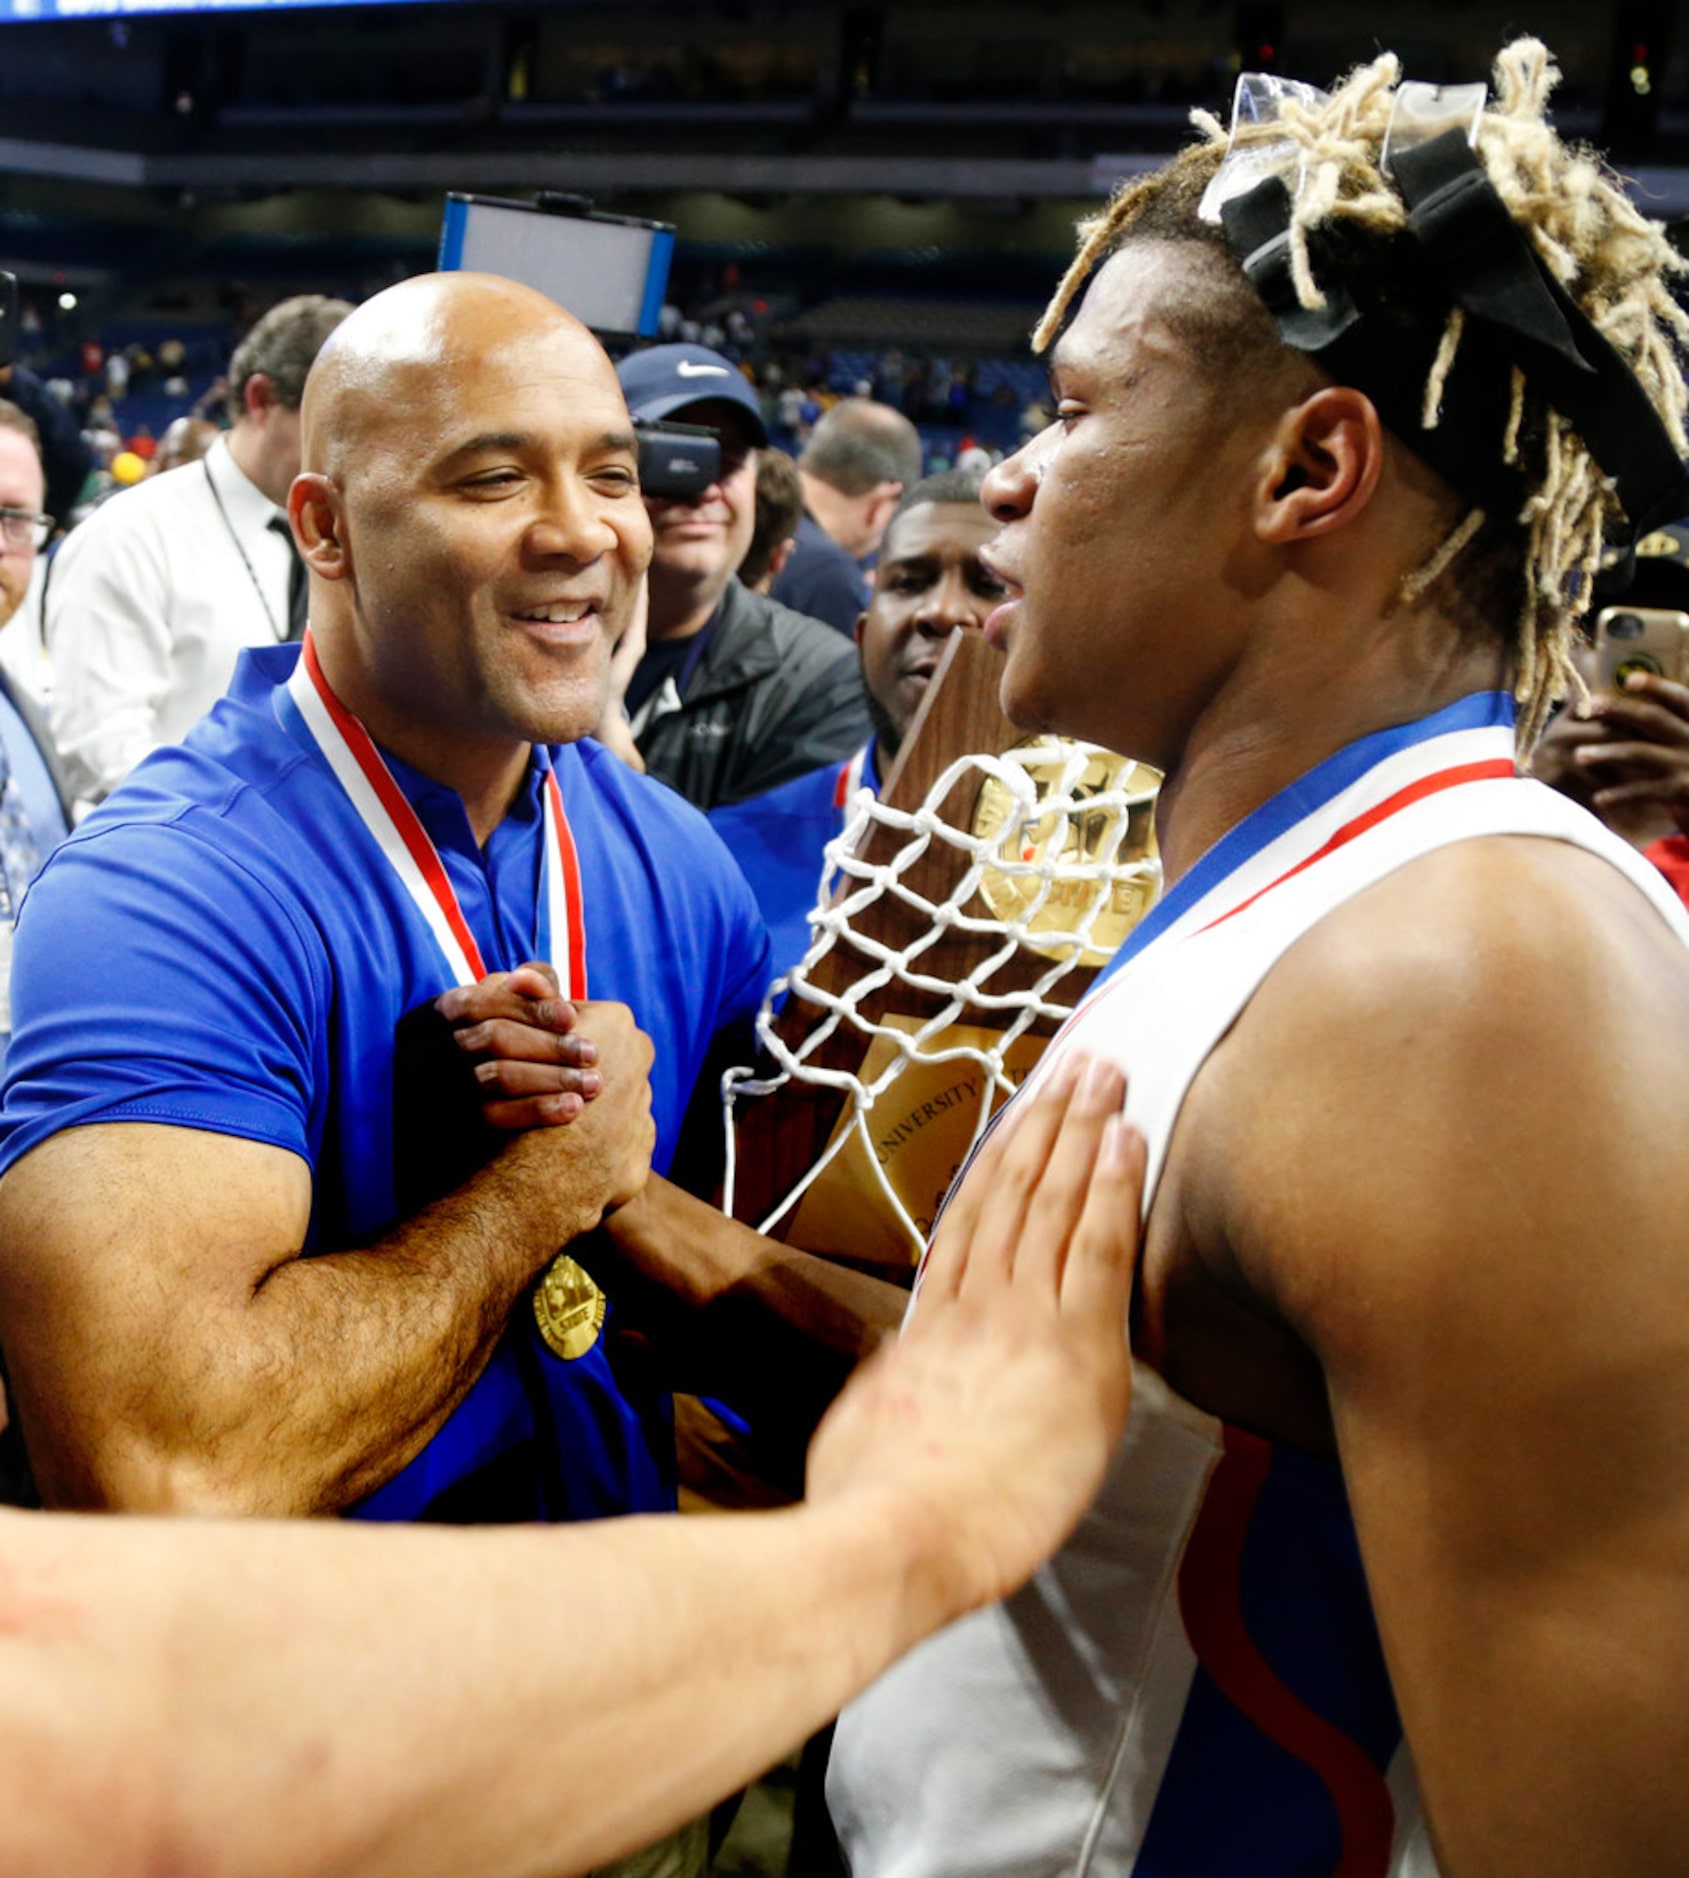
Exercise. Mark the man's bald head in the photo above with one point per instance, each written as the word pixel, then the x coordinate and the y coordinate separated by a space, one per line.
pixel 386 365
pixel 470 514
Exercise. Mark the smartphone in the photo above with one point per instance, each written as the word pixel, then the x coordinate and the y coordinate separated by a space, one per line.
pixel 1640 639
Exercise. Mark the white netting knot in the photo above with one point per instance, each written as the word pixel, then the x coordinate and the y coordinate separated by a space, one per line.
pixel 1058 861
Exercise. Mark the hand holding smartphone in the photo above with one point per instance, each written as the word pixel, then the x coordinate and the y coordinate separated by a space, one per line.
pixel 1640 639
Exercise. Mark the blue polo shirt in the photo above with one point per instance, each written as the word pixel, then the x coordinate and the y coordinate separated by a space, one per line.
pixel 219 946
pixel 779 839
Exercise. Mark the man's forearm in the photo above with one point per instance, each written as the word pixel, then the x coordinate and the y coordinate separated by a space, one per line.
pixel 182 1702
pixel 250 1378
pixel 773 1328
pixel 391 1337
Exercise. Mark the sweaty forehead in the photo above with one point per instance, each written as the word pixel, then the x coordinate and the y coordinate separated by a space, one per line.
pixel 1138 302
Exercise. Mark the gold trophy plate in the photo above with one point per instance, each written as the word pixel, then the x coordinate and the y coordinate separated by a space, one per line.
pixel 1074 841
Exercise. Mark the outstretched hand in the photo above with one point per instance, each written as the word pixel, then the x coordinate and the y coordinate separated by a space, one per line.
pixel 993 1417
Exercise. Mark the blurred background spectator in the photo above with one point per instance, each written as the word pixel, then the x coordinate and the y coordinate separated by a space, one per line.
pixel 153 597
pixel 858 460
pixel 779 510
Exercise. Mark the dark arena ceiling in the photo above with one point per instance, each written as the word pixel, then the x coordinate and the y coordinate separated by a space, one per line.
pixel 288 140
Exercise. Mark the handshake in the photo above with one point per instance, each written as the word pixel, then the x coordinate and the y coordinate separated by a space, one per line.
pixel 996 1410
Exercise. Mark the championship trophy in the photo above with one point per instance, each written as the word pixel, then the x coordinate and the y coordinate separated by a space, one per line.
pixel 971 904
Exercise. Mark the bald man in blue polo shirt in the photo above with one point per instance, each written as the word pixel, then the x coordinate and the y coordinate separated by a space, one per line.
pixel 214 1290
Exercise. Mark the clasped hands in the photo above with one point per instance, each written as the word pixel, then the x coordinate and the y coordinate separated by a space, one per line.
pixel 540 1059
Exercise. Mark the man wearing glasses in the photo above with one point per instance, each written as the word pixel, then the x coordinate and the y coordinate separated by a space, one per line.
pixel 32 799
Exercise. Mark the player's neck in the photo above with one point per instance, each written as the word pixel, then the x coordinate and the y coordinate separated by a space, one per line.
pixel 1275 720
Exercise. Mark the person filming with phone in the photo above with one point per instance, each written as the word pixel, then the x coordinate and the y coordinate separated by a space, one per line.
pixel 1624 754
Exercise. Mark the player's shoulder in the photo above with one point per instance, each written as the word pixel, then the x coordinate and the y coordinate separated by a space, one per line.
pixel 1510 929
pixel 1422 1073
pixel 1468 994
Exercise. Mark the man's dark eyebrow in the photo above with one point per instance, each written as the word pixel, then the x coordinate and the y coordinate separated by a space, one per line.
pixel 495 442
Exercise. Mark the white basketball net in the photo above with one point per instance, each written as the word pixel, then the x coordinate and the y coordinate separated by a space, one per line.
pixel 1048 867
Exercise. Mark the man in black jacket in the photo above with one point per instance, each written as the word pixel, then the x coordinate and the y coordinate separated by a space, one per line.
pixel 735 693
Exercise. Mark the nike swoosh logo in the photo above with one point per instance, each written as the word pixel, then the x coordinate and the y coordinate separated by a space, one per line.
pixel 688 370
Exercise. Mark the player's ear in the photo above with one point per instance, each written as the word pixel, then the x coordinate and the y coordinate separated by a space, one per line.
pixel 319 525
pixel 1322 466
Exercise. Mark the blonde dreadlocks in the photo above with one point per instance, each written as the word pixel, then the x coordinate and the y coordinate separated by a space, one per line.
pixel 1612 261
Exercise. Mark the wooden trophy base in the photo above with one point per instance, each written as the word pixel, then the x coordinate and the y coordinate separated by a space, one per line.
pixel 921 1126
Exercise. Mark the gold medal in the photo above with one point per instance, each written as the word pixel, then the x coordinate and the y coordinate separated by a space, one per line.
pixel 1081 898
pixel 569 1309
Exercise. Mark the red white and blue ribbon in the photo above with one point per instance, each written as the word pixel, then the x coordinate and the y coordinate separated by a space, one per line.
pixel 1352 791
pixel 404 843
pixel 850 778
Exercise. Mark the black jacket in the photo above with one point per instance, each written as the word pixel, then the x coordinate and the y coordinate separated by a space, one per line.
pixel 775 694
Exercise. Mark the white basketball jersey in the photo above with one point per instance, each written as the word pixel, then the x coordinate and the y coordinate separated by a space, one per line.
pixel 1193 1687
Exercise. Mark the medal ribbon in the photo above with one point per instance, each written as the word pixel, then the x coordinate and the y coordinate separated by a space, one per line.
pixel 850 778
pixel 380 803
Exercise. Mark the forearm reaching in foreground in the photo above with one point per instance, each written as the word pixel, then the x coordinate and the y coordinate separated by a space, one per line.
pixel 299 1698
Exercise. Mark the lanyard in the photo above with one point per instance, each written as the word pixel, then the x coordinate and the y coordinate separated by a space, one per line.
pixel 381 806
pixel 240 549
pixel 850 778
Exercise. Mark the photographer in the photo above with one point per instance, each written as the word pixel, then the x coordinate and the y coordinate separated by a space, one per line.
pixel 1624 754
pixel 735 693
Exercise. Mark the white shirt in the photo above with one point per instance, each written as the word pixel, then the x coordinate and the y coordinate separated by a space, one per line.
pixel 151 600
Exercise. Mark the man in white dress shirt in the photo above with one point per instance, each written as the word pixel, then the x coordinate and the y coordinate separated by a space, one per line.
pixel 155 594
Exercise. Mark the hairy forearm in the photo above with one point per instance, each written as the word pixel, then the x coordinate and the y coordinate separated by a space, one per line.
pixel 390 1338
pixel 249 1378
pixel 294 1699
pixel 773 1328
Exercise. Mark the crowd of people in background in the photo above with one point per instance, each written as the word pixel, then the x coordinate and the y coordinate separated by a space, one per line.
pixel 836 437
pixel 361 743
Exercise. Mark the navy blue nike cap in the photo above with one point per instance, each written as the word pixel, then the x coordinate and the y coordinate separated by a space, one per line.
pixel 663 380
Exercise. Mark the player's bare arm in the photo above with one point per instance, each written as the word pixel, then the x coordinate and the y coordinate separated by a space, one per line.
pixel 1471 1213
pixel 172 1347
pixel 773 1328
pixel 578 1659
